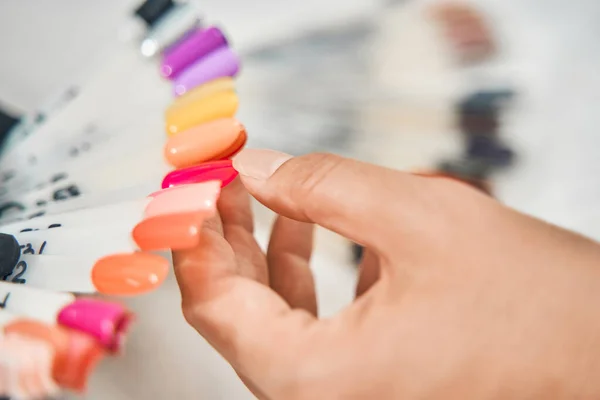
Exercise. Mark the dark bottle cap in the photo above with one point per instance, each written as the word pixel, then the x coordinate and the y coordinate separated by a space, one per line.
pixel 7 122
pixel 488 103
pixel 152 10
pixel 9 254
pixel 489 150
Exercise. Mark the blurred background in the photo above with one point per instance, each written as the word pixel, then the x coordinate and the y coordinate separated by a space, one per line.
pixel 502 94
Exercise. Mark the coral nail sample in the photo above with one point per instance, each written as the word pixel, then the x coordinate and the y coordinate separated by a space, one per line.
pixel 129 274
pixel 170 231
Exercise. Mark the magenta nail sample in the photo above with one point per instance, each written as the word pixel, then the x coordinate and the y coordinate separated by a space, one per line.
pixel 190 50
pixel 222 171
pixel 107 322
pixel 183 38
pixel 218 64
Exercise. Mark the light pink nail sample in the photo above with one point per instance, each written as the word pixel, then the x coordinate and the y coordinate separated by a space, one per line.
pixel 200 197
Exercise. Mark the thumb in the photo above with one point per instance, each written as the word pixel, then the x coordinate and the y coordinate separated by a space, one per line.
pixel 363 202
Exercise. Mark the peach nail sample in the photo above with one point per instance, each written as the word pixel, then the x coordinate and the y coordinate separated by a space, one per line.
pixel 212 140
pixel 218 105
pixel 195 198
pixel 76 354
pixel 26 368
pixel 129 274
pixel 171 231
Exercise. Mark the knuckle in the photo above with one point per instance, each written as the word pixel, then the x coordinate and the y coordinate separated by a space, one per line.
pixel 312 175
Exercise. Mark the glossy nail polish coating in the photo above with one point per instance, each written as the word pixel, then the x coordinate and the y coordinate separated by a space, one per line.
pixel 218 105
pixel 129 274
pixel 192 49
pixel 107 322
pixel 193 198
pixel 76 354
pixel 219 63
pixel 211 171
pixel 170 231
pixel 213 140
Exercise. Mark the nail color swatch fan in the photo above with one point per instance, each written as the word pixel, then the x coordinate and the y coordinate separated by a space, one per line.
pixel 93 198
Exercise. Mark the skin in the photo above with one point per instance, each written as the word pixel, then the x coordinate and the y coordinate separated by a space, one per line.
pixel 459 297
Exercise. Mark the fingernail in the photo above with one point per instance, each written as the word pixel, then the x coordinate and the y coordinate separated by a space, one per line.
pixel 129 274
pixel 220 63
pixel 218 105
pixel 222 171
pixel 214 140
pixel 191 49
pixel 172 231
pixel 259 164
pixel 107 322
pixel 194 198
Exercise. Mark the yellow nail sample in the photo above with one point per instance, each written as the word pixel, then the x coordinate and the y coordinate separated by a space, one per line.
pixel 208 89
pixel 220 104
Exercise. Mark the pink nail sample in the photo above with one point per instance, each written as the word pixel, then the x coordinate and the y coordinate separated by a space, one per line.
pixel 196 198
pixel 218 64
pixel 222 171
pixel 107 322
pixel 191 49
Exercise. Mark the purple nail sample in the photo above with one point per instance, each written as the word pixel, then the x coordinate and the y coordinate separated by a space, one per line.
pixel 173 46
pixel 218 64
pixel 190 50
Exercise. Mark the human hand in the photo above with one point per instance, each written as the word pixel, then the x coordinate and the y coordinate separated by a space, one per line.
pixel 459 297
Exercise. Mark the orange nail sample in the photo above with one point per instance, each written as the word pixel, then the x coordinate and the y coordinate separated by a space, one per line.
pixel 171 231
pixel 129 274
pixel 210 141
pixel 218 105
pixel 76 354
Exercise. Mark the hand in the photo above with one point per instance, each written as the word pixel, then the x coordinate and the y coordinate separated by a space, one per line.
pixel 459 296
